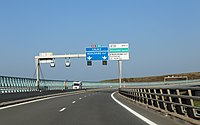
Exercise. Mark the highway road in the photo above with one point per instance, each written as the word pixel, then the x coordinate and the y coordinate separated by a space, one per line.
pixel 90 108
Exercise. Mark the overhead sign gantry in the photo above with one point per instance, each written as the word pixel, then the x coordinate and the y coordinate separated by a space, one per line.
pixel 50 58
pixel 118 52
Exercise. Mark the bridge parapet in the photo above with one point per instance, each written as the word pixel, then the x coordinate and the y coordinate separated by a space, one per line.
pixel 17 84
pixel 183 103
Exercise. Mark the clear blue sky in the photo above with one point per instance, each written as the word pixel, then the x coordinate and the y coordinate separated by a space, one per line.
pixel 164 36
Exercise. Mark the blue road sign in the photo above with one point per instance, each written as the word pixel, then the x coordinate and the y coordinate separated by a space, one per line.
pixel 97 53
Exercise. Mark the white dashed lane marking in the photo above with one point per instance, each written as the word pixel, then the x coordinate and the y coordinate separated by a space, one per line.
pixel 62 109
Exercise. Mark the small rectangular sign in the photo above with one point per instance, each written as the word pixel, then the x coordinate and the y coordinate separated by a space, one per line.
pixel 97 49
pixel 123 45
pixel 46 60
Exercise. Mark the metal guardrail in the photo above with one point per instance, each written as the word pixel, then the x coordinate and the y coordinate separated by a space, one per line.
pixel 16 84
pixel 183 103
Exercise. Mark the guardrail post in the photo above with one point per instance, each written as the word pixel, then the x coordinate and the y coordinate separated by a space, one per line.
pixel 170 105
pixel 150 96
pixel 190 111
pixel 146 98
pixel 131 94
pixel 139 98
pixel 179 109
pixel 136 95
pixel 139 95
pixel 157 100
pixel 163 100
pixel 141 90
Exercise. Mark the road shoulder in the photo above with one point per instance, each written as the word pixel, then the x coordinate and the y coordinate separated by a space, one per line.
pixel 155 116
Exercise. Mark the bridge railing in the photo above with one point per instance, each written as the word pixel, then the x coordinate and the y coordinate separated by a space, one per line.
pixel 16 84
pixel 183 103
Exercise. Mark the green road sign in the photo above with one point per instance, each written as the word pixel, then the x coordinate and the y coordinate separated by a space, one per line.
pixel 119 51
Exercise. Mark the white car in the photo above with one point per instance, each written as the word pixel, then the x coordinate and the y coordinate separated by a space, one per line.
pixel 77 85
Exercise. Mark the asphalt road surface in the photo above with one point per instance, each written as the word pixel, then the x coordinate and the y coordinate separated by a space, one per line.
pixel 90 108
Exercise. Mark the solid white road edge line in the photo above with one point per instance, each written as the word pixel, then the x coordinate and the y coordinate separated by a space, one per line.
pixel 38 100
pixel 23 103
pixel 62 109
pixel 132 111
pixel 28 102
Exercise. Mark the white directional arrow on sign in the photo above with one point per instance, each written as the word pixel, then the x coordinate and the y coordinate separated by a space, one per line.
pixel 89 57
pixel 104 57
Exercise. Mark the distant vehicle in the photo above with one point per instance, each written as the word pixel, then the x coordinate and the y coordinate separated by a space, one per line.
pixel 77 85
